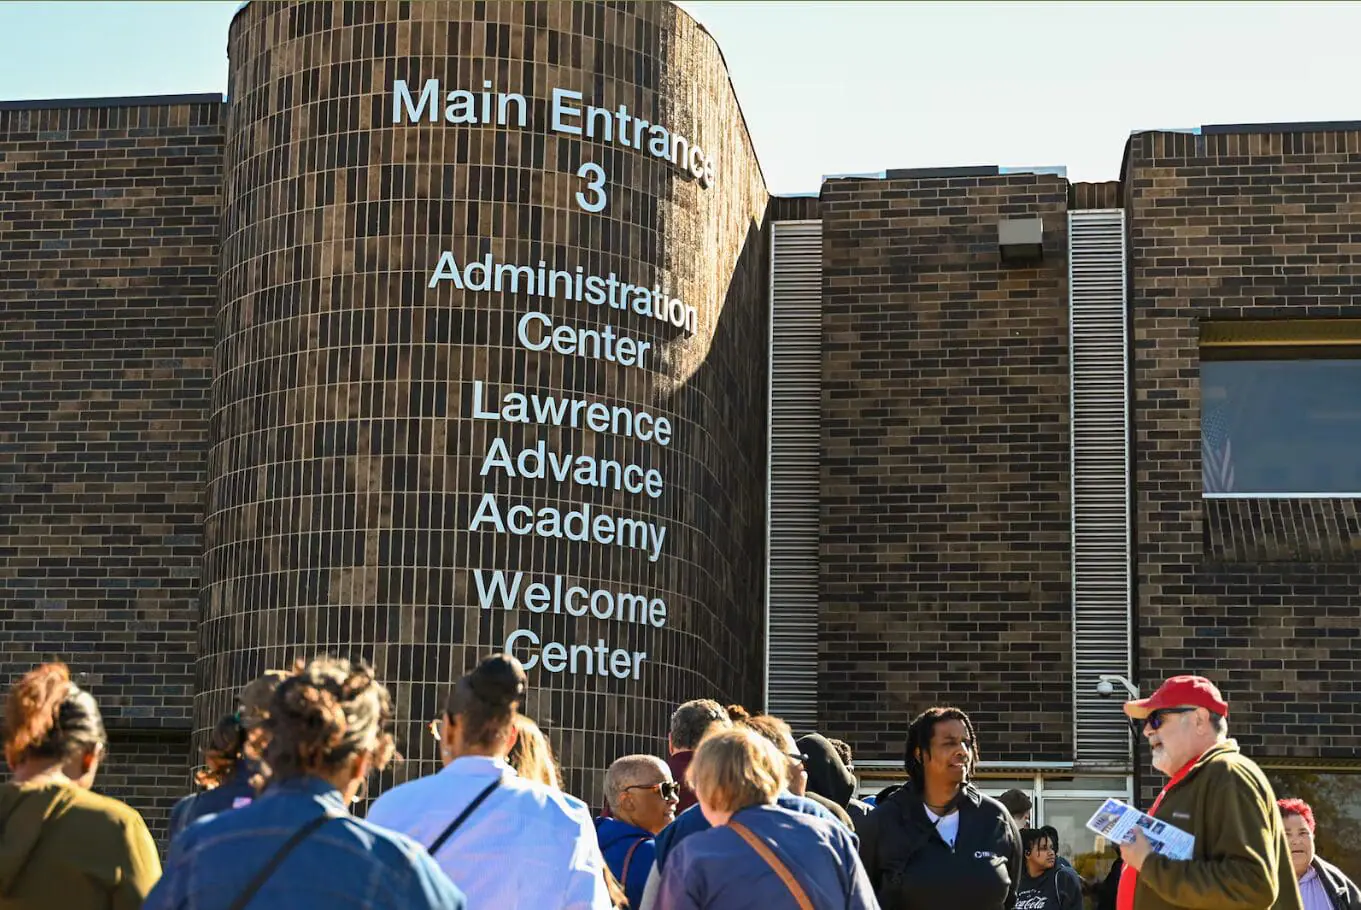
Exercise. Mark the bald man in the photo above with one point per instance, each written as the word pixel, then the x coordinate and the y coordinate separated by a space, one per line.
pixel 642 797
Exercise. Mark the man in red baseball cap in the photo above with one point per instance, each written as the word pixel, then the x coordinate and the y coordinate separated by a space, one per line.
pixel 1241 858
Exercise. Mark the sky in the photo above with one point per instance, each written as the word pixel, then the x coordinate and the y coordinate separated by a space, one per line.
pixel 840 88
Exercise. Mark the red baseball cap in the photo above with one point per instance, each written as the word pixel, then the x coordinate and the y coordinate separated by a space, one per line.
pixel 1180 692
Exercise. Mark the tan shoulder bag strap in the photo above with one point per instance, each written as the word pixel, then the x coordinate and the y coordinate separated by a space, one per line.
pixel 773 861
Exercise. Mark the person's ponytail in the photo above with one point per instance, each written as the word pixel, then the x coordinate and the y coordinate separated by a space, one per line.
pixel 47 716
pixel 488 699
pixel 226 748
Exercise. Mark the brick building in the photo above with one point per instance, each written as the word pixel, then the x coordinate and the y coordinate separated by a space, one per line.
pixel 976 435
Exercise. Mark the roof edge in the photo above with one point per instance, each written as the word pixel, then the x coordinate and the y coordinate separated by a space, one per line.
pixel 47 104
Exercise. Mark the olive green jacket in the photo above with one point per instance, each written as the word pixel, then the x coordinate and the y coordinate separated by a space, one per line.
pixel 65 848
pixel 1241 860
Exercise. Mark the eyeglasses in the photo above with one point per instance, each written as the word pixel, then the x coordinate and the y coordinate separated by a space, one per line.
pixel 668 789
pixel 1155 720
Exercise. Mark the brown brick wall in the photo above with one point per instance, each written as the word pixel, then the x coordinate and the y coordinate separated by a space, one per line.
pixel 945 485
pixel 1261 596
pixel 348 455
pixel 108 278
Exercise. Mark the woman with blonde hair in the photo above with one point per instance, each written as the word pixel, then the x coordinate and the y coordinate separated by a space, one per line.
pixel 531 755
pixel 758 854
pixel 297 844
pixel 63 846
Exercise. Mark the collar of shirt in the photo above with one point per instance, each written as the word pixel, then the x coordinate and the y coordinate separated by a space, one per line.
pixel 478 766
pixel 305 785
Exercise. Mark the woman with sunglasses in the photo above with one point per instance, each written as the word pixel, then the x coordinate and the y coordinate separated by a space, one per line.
pixel 504 840
pixel 642 796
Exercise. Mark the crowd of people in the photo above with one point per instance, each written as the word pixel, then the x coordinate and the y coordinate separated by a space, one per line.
pixel 739 814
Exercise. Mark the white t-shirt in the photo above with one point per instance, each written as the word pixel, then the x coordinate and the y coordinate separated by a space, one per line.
pixel 947 825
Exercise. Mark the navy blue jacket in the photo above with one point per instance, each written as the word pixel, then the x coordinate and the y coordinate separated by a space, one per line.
pixel 233 793
pixel 692 821
pixel 718 870
pixel 617 838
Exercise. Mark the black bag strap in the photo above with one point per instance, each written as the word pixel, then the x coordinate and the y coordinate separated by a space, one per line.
pixel 463 816
pixel 245 897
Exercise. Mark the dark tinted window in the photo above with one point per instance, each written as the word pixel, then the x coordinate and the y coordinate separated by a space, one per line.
pixel 1283 425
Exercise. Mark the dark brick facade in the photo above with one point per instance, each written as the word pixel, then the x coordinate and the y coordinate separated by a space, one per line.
pixel 945 484
pixel 1260 595
pixel 348 460
pixel 334 388
pixel 108 278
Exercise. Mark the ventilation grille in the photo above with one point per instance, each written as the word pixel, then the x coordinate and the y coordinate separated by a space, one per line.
pixel 795 431
pixel 1101 520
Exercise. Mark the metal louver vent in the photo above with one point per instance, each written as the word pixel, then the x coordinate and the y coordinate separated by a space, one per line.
pixel 1100 465
pixel 795 433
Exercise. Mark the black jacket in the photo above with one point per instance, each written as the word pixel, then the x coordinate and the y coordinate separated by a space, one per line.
pixel 829 779
pixel 1055 889
pixel 912 868
pixel 1342 891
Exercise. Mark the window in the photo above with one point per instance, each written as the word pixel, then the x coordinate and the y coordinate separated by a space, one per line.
pixel 1281 407
pixel 1066 802
pixel 1335 797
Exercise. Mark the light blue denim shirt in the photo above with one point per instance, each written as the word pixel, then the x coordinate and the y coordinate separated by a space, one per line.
pixel 346 863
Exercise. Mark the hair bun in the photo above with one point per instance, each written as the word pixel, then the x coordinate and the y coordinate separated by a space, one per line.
pixel 737 713
pixel 499 680
pixel 31 712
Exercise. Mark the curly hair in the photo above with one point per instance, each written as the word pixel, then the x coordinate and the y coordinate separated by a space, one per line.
pixel 325 714
pixel 1297 807
pixel 47 716
pixel 770 728
pixel 919 734
pixel 694 719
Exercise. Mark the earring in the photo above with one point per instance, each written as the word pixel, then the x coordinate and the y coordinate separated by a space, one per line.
pixel 362 793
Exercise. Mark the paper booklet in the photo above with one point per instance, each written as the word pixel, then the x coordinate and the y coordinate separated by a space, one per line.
pixel 1116 822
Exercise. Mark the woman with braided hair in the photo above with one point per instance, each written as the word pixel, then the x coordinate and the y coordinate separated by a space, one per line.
pixel 62 845
pixel 232 759
pixel 297 845
pixel 937 843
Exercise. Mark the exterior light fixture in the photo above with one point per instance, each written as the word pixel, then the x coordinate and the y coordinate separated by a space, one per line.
pixel 1021 240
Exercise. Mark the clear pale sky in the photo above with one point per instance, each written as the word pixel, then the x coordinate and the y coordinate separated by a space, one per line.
pixel 834 88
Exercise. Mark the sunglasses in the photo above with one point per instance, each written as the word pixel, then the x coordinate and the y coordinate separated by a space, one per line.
pixel 1155 720
pixel 796 757
pixel 668 789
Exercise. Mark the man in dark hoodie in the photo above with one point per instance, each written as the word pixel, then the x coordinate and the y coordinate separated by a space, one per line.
pixel 1043 886
pixel 829 778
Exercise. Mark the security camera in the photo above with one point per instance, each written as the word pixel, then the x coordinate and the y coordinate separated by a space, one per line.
pixel 1106 683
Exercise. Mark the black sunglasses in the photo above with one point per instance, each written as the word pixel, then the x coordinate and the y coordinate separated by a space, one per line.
pixel 797 758
pixel 1155 720
pixel 668 789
